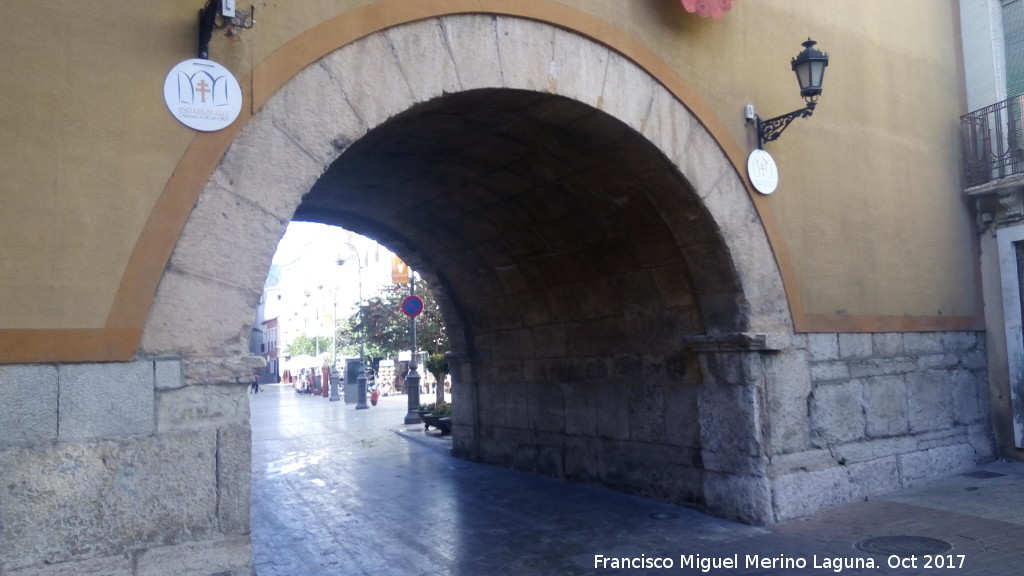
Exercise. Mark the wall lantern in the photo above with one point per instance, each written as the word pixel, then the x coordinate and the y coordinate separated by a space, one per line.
pixel 809 67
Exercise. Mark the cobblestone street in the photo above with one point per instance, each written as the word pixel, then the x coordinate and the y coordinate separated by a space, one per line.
pixel 341 491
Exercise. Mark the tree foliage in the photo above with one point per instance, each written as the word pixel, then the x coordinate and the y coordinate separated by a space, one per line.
pixel 387 328
pixel 306 345
pixel 437 364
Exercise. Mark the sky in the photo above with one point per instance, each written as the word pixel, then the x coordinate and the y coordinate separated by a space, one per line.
pixel 312 242
pixel 306 264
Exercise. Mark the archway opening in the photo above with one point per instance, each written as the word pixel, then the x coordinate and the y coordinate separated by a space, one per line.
pixel 335 298
pixel 571 261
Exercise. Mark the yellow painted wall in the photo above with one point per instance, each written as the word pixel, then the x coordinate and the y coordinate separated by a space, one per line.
pixel 867 222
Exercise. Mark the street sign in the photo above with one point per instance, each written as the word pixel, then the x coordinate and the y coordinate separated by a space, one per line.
pixel 412 306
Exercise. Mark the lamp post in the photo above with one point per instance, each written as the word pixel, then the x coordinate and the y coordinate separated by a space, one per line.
pixel 334 350
pixel 412 380
pixel 361 379
pixel 809 67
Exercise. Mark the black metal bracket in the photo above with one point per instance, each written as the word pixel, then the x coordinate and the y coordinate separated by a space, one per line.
pixel 210 18
pixel 770 129
pixel 207 19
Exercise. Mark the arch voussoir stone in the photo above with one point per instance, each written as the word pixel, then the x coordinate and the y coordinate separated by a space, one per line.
pixel 578 68
pixel 419 41
pixel 472 44
pixel 631 105
pixel 268 167
pixel 323 126
pixel 525 47
pixel 194 316
pixel 371 79
pixel 669 126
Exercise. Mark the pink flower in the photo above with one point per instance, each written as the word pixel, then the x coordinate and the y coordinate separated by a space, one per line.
pixel 708 8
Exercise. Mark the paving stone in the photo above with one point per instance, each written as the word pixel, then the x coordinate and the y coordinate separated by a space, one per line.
pixel 340 491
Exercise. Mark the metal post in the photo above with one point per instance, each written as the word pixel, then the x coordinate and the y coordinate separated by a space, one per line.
pixel 412 381
pixel 334 384
pixel 334 329
pixel 361 390
pixel 361 380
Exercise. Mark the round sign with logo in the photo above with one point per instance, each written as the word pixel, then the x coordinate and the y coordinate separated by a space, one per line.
pixel 412 306
pixel 763 172
pixel 203 95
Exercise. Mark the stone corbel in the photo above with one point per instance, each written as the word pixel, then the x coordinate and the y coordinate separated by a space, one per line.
pixel 1012 205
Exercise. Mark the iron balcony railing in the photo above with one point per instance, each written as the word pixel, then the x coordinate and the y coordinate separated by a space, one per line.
pixel 992 142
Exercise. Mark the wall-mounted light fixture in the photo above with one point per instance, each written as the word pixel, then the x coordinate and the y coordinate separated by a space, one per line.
pixel 809 67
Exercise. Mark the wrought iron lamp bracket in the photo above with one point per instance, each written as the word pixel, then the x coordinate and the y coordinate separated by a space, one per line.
pixel 770 129
pixel 210 18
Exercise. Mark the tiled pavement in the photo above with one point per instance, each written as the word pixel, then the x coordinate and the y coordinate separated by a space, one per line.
pixel 340 491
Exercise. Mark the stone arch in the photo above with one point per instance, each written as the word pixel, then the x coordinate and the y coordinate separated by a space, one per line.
pixel 342 103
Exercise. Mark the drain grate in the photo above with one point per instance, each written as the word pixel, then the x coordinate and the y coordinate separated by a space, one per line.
pixel 903 545
pixel 982 474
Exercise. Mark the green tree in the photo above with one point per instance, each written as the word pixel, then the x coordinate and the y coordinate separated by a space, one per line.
pixel 306 345
pixel 387 328
pixel 437 364
pixel 430 331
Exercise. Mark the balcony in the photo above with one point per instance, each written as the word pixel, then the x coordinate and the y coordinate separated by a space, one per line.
pixel 992 140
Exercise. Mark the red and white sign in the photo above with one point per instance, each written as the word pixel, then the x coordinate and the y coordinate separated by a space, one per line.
pixel 412 306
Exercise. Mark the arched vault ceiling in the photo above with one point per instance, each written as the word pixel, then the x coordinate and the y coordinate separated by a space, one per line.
pixel 505 192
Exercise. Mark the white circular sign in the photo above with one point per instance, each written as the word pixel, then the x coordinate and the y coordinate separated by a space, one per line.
pixel 203 95
pixel 763 172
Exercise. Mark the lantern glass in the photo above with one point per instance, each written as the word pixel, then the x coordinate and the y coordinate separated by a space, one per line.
pixel 809 67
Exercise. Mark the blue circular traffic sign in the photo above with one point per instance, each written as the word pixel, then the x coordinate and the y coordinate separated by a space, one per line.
pixel 412 306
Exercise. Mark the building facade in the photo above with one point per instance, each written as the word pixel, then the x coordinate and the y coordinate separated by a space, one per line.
pixel 272 372
pixel 569 175
pixel 993 38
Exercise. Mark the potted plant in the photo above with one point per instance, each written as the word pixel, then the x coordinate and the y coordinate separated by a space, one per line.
pixel 427 415
pixel 443 414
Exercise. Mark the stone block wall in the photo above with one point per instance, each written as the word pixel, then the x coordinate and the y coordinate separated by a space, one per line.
pixel 824 420
pixel 883 412
pixel 137 468
pixel 627 422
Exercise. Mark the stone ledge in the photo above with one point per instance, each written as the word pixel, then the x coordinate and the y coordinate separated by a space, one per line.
pixel 120 565
pixel 736 342
pixel 229 557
